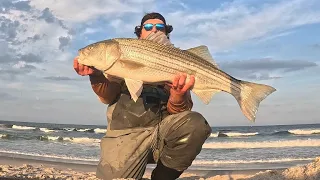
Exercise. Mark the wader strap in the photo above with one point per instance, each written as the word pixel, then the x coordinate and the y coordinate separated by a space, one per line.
pixel 157 150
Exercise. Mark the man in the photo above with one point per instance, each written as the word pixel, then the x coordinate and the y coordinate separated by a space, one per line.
pixel 159 128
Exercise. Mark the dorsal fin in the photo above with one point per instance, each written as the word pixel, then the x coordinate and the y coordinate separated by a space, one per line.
pixel 203 52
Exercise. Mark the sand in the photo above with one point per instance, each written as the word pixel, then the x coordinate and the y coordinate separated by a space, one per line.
pixel 35 169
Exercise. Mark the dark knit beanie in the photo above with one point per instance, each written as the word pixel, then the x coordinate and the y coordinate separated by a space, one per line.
pixel 153 15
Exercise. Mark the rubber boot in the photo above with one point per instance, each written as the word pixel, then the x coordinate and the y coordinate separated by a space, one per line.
pixel 162 172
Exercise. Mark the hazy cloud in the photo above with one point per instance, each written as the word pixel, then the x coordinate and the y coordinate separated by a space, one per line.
pixel 59 78
pixel 11 72
pixel 5 96
pixel 50 18
pixel 235 23
pixel 47 16
pixel 29 58
pixel 64 41
pixel 77 11
pixel 316 46
pixel 8 28
pixel 261 69
pixel 32 58
pixel 7 5
pixel 35 37
pixel 31 36
pixel 268 64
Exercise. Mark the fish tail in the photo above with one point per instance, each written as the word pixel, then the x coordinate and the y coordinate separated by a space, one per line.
pixel 250 96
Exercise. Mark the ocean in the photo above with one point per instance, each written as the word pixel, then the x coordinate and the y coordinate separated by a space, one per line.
pixel 228 148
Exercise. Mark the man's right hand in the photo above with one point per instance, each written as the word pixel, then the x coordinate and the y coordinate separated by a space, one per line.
pixel 83 70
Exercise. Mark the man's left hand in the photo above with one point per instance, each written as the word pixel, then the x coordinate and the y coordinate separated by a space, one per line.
pixel 179 85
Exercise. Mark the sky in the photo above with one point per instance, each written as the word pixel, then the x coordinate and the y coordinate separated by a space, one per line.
pixel 274 42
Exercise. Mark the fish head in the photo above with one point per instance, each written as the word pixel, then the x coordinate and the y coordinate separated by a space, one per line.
pixel 100 55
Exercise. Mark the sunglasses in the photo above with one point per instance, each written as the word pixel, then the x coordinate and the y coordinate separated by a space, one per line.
pixel 149 26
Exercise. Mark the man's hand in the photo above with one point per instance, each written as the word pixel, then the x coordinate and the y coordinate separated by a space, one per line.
pixel 179 85
pixel 82 69
pixel 180 97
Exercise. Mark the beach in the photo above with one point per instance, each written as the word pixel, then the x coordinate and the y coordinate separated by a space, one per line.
pixel 18 168
pixel 68 151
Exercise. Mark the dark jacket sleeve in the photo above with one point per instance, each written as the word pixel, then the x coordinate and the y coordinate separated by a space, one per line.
pixel 107 91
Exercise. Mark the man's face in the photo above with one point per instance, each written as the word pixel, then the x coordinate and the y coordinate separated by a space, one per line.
pixel 145 33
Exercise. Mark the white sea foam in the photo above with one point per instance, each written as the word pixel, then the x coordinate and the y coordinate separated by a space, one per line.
pixel 81 140
pixel 46 130
pixel 69 129
pixel 83 130
pixel 22 127
pixel 98 130
pixel 263 144
pixel 278 160
pixel 304 131
pixel 65 157
pixel 234 134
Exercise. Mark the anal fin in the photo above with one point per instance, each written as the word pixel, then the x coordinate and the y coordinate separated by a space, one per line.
pixel 205 94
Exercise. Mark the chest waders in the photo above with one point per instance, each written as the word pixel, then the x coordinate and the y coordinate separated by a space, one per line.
pixel 144 132
pixel 148 112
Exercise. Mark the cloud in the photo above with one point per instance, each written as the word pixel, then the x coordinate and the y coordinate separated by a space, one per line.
pixel 316 46
pixel 29 37
pixel 269 64
pixel 264 69
pixel 76 11
pixel 64 41
pixel 47 16
pixel 5 96
pixel 236 23
pixel 7 5
pixel 59 78
pixel 8 28
pixel 18 69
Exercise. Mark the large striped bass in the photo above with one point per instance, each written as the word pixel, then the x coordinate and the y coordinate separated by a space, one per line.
pixel 156 60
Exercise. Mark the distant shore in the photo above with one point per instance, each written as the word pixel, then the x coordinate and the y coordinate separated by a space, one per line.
pixel 19 168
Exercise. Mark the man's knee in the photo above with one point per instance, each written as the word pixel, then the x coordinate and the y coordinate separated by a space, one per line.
pixel 192 129
pixel 197 123
pixel 184 141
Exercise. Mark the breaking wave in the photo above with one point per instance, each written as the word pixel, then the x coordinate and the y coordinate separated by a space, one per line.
pixel 305 131
pixel 82 140
pixel 47 130
pixel 277 133
pixel 92 130
pixel 232 134
pixel 53 156
pixel 263 144
pixel 277 160
pixel 98 130
pixel 5 136
pixel 23 127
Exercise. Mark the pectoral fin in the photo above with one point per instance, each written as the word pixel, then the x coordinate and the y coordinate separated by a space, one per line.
pixel 205 94
pixel 131 65
pixel 135 88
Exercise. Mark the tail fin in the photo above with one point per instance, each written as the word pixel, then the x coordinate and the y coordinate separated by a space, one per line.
pixel 250 96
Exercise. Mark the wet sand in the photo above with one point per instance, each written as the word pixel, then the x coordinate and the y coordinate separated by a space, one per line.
pixel 18 168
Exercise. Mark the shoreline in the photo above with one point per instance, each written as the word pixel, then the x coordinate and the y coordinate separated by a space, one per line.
pixel 16 168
